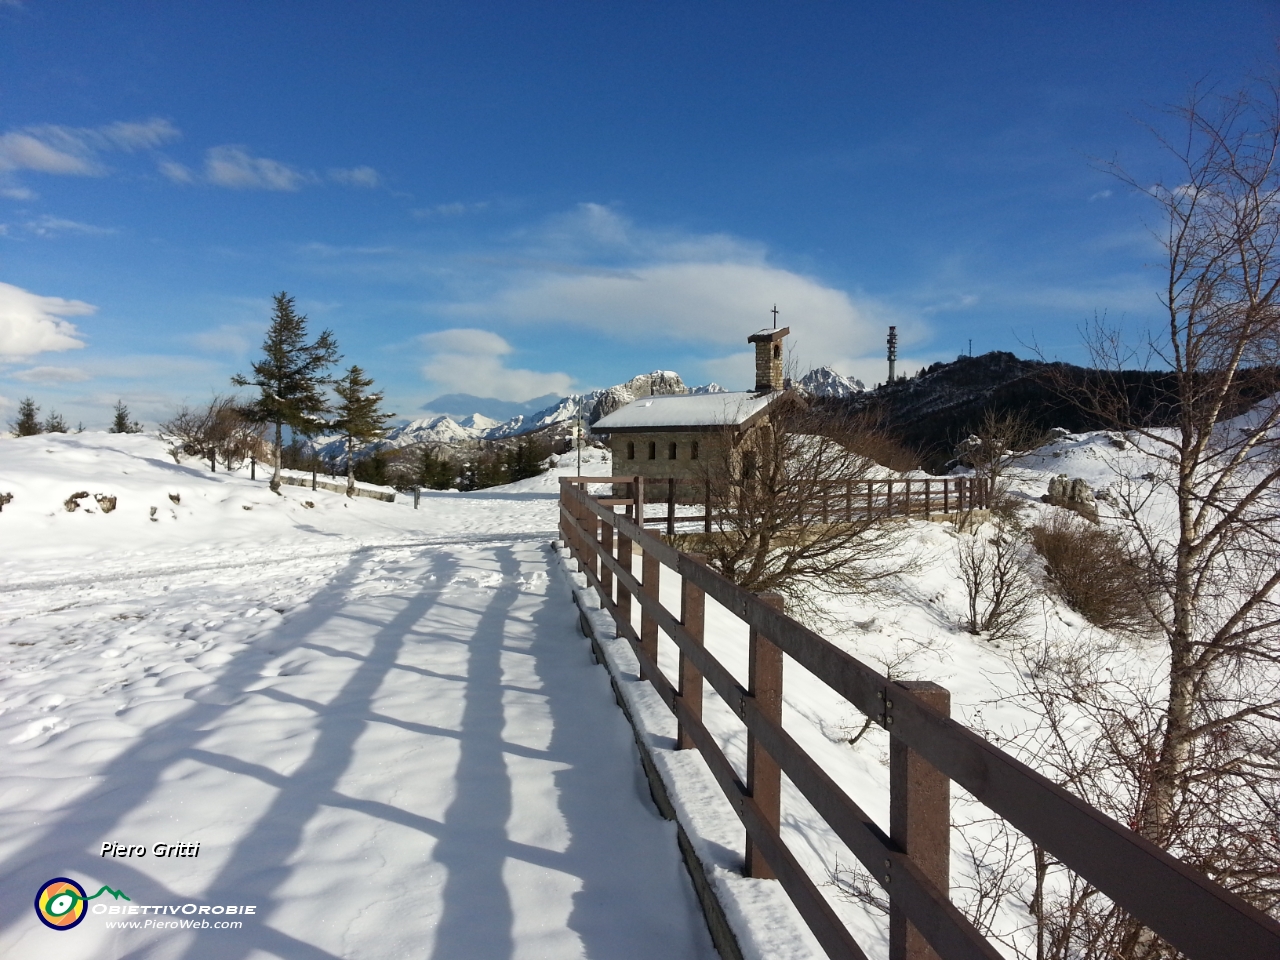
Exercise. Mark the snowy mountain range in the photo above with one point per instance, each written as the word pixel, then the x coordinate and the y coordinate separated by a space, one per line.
pixel 448 429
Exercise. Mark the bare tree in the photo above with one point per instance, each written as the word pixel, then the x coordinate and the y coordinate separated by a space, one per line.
pixel 782 518
pixel 1193 763
pixel 1000 440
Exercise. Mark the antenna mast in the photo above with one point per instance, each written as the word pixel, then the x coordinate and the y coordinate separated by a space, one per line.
pixel 893 350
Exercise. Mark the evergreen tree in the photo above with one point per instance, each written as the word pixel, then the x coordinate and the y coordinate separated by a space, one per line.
pixel 291 377
pixel 54 423
pixel 28 422
pixel 122 423
pixel 427 468
pixel 359 417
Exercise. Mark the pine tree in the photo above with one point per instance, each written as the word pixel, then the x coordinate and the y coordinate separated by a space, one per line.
pixel 360 418
pixel 122 423
pixel 28 422
pixel 291 377
pixel 54 423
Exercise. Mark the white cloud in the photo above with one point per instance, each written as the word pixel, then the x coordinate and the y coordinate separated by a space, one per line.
pixel 22 151
pixel 49 226
pixel 455 209
pixel 31 324
pixel 233 167
pixel 51 375
pixel 593 268
pixel 72 151
pixel 176 171
pixel 467 360
pixel 355 176
pixel 18 193
pixel 235 339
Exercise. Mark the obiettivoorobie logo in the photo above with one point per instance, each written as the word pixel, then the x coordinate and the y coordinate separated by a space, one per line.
pixel 60 902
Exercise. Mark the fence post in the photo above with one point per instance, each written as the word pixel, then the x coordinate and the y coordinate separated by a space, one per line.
pixel 706 518
pixel 764 778
pixel 919 820
pixel 253 468
pixel 639 489
pixel 576 534
pixel 693 605
pixel 417 494
pixel 591 523
pixel 671 506
pixel 606 548
pixel 624 595
pixel 649 626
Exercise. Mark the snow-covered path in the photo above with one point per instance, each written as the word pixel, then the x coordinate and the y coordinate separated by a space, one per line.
pixel 419 759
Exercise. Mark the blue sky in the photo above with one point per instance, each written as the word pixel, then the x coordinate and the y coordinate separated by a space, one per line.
pixel 510 199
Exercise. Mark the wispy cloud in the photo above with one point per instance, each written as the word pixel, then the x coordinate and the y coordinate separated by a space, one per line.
pixel 75 151
pixel 234 167
pixel 594 268
pixel 51 375
pixel 235 339
pixel 445 210
pixel 356 176
pixel 50 226
pixel 32 324
pixel 468 360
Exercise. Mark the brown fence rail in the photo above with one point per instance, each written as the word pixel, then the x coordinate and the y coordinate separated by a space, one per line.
pixel 845 500
pixel 928 750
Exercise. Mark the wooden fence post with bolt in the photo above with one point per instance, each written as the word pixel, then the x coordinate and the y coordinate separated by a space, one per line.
pixel 693 605
pixel 650 568
pixel 764 778
pixel 919 819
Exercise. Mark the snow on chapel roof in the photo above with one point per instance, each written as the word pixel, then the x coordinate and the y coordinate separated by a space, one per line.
pixel 685 412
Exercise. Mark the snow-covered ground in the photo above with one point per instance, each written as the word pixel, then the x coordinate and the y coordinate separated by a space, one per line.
pixel 382 725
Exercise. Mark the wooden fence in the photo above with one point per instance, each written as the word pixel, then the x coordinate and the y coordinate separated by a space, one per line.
pixel 847 500
pixel 928 751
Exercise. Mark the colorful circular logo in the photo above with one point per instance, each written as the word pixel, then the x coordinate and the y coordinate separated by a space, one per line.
pixel 60 903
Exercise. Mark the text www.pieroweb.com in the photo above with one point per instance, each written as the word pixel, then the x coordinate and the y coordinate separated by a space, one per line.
pixel 178 917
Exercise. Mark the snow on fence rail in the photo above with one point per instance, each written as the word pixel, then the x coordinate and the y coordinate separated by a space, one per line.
pixel 905 497
pixel 928 750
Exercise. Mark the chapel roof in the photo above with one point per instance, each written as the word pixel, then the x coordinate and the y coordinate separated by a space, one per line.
pixel 686 412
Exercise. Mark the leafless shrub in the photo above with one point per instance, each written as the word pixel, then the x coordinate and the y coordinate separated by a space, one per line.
pixel 990 563
pixel 853 883
pixel 220 430
pixel 1092 571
